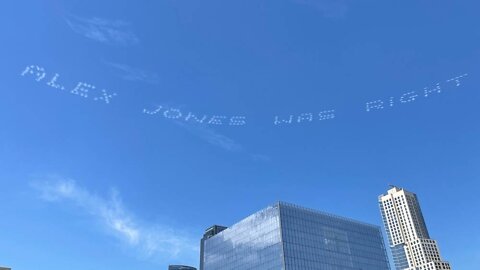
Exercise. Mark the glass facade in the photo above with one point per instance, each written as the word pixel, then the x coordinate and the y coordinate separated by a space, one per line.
pixel 253 243
pixel 288 237
pixel 210 232
pixel 399 256
pixel 320 241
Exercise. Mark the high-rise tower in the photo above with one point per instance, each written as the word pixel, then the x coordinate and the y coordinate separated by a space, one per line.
pixel 411 245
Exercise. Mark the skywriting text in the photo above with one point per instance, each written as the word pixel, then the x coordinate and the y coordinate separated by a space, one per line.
pixel 412 96
pixel 86 90
pixel 81 89
pixel 173 113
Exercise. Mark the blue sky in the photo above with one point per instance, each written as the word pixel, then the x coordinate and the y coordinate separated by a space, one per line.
pixel 88 184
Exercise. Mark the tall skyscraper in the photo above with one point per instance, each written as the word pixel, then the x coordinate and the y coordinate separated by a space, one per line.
pixel 288 237
pixel 411 245
pixel 181 267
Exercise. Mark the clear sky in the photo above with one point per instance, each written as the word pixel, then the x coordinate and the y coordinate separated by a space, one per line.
pixel 116 179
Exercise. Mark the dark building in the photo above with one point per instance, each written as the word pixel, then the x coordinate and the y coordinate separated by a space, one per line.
pixel 181 267
pixel 288 237
pixel 210 232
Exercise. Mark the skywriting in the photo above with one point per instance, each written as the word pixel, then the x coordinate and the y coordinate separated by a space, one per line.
pixel 239 135
pixel 82 89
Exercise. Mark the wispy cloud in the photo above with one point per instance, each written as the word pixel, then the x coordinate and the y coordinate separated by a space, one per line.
pixel 211 136
pixel 219 140
pixel 130 73
pixel 328 8
pixel 150 241
pixel 113 32
pixel 204 131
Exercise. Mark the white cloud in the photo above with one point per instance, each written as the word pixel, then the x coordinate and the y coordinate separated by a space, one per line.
pixel 156 242
pixel 207 133
pixel 106 31
pixel 211 136
pixel 134 74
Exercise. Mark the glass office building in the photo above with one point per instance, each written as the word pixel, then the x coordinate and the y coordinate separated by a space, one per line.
pixel 288 237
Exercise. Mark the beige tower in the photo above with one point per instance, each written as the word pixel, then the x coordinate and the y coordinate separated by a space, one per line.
pixel 412 248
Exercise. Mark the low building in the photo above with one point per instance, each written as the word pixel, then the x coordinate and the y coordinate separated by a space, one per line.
pixel 179 267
